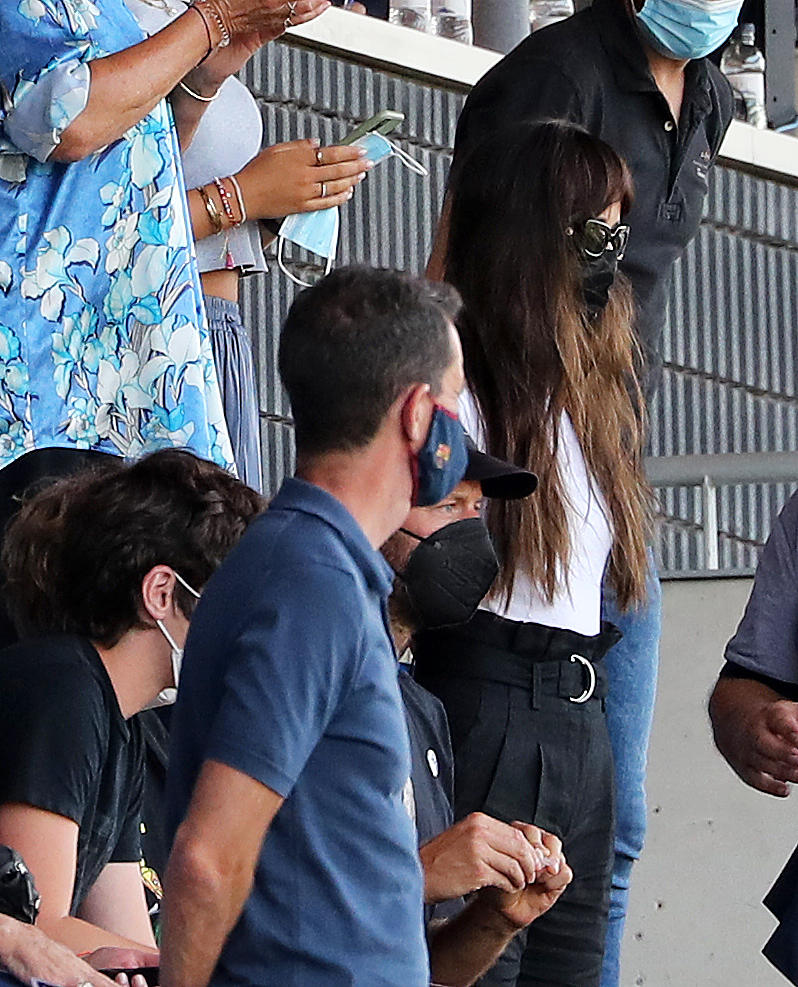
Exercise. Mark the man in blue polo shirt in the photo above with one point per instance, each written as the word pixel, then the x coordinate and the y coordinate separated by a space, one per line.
pixel 295 861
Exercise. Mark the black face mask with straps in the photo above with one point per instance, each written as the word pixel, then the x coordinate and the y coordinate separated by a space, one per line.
pixel 598 277
pixel 449 573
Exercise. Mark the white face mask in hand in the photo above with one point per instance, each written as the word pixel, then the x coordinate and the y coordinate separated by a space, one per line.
pixel 317 231
pixel 168 696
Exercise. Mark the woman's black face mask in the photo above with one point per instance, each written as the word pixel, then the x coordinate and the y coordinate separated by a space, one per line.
pixel 598 277
pixel 449 573
pixel 601 247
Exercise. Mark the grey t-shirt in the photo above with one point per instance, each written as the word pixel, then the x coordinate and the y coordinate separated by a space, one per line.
pixel 766 641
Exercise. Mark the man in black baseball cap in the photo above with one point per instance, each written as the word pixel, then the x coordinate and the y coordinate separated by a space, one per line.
pixel 445 564
pixel 496 477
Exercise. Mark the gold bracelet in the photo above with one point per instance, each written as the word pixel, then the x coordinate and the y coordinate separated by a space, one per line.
pixel 207 9
pixel 212 209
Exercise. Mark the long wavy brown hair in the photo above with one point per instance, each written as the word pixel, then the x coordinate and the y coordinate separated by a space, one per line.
pixel 531 352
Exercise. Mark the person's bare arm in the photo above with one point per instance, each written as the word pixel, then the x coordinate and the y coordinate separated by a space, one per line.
pixel 28 953
pixel 756 730
pixel 436 267
pixel 211 869
pixel 284 179
pixel 116 902
pixel 125 86
pixel 48 844
pixel 462 949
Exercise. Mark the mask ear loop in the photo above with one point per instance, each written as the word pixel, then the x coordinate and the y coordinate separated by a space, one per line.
pixel 284 269
pixel 293 277
pixel 407 160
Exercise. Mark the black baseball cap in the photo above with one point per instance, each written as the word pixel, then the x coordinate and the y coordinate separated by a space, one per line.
pixel 497 477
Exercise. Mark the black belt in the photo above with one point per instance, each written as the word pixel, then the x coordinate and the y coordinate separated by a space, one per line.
pixel 529 656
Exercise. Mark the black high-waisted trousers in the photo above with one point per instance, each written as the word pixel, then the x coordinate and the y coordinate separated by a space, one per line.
pixel 526 711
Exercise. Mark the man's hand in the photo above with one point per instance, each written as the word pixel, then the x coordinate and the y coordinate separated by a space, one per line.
pixel 756 730
pixel 27 952
pixel 463 948
pixel 520 908
pixel 480 852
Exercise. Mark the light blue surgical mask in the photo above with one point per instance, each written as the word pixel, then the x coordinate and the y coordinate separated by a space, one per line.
pixel 687 29
pixel 317 231
pixel 378 148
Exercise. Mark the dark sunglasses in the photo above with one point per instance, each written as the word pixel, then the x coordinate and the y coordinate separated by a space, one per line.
pixel 596 237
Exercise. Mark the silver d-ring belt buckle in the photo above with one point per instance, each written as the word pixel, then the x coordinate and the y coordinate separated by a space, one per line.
pixel 591 682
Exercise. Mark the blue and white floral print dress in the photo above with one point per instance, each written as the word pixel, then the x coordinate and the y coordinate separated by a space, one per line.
pixel 103 342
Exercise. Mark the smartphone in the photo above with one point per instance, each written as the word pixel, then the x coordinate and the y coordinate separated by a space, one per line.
pixel 381 123
pixel 150 973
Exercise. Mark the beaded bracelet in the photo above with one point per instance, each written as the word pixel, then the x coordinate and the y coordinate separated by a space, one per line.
pixel 212 209
pixel 225 197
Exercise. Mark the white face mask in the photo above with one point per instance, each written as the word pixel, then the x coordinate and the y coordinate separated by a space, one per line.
pixel 167 696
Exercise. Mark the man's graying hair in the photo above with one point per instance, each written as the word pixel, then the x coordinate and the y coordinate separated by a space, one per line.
pixel 352 343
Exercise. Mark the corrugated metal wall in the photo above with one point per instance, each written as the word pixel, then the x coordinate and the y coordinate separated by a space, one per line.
pixel 731 353
pixel 730 383
pixel 390 221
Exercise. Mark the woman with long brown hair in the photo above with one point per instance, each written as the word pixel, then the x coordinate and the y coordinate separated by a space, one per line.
pixel 534 244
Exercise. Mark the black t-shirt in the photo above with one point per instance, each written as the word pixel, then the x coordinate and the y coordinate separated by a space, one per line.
pixel 65 747
pixel 431 772
pixel 592 69
pixel 432 762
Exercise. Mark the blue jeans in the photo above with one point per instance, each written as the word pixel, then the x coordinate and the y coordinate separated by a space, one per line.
pixel 632 671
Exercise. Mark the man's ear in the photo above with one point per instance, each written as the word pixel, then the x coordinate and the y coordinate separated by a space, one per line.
pixel 417 415
pixel 157 592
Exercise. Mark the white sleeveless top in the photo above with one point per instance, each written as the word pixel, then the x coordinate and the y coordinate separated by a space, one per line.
pixel 577 602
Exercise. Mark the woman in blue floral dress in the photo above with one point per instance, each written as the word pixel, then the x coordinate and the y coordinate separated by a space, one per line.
pixel 103 343
pixel 102 338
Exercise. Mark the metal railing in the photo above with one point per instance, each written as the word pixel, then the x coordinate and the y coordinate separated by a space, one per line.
pixel 710 472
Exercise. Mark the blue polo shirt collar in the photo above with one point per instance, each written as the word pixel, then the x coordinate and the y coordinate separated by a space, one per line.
pixel 300 495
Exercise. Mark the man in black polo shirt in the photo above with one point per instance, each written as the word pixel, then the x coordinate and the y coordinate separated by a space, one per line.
pixel 638 80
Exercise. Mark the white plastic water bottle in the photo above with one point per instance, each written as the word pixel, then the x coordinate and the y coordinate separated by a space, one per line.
pixel 411 13
pixel 452 19
pixel 743 64
pixel 545 12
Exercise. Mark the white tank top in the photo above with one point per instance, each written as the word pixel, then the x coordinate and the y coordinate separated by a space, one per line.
pixel 577 602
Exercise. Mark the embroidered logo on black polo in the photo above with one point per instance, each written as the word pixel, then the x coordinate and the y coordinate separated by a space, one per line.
pixel 670 211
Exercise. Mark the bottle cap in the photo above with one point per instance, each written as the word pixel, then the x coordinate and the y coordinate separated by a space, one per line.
pixel 748 34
